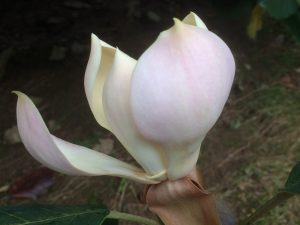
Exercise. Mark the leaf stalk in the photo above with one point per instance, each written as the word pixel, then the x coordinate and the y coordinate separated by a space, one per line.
pixel 130 217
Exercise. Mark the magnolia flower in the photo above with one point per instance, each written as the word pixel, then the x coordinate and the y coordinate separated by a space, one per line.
pixel 159 107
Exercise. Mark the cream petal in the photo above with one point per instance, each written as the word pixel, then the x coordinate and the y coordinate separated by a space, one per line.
pixel 100 60
pixel 193 19
pixel 178 90
pixel 63 156
pixel 182 158
pixel 118 113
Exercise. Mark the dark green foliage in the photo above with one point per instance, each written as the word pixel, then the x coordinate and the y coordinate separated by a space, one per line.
pixel 287 11
pixel 280 9
pixel 110 222
pixel 293 23
pixel 292 184
pixel 38 214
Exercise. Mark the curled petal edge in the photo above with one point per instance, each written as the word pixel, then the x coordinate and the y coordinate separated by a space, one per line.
pixel 100 61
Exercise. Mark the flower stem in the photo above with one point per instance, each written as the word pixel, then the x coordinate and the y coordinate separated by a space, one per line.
pixel 279 198
pixel 129 217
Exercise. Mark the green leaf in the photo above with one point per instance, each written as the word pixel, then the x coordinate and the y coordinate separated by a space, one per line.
pixel 39 214
pixel 293 24
pixel 292 184
pixel 280 9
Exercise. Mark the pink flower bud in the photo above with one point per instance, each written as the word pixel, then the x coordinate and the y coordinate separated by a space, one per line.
pixel 159 107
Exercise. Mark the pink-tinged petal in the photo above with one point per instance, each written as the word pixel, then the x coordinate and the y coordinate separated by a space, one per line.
pixel 179 88
pixel 118 113
pixel 193 19
pixel 63 156
pixel 101 58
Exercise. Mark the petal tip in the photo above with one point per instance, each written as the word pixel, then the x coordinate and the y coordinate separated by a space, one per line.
pixel 18 93
pixel 94 37
pixel 94 41
pixel 192 14
pixel 193 19
pixel 177 22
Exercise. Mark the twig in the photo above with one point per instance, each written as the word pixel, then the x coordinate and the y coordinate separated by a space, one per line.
pixel 4 188
pixel 228 159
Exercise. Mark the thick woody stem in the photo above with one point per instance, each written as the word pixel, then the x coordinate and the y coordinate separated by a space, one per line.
pixel 182 202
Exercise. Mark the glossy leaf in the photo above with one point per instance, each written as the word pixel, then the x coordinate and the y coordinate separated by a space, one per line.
pixel 38 214
pixel 280 9
pixel 292 184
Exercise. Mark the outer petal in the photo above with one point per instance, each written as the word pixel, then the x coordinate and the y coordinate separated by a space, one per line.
pixel 63 156
pixel 193 19
pixel 179 87
pixel 118 113
pixel 100 61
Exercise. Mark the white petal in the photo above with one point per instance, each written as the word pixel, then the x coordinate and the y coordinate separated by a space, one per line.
pixel 118 113
pixel 111 69
pixel 101 58
pixel 63 156
pixel 193 19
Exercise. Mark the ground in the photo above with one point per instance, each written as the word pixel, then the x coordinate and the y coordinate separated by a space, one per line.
pixel 245 158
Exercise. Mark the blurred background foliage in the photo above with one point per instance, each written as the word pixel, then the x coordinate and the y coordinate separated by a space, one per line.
pixel 286 12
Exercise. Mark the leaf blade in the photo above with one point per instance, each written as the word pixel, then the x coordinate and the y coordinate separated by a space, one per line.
pixel 39 214
pixel 292 184
pixel 293 24
pixel 280 9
